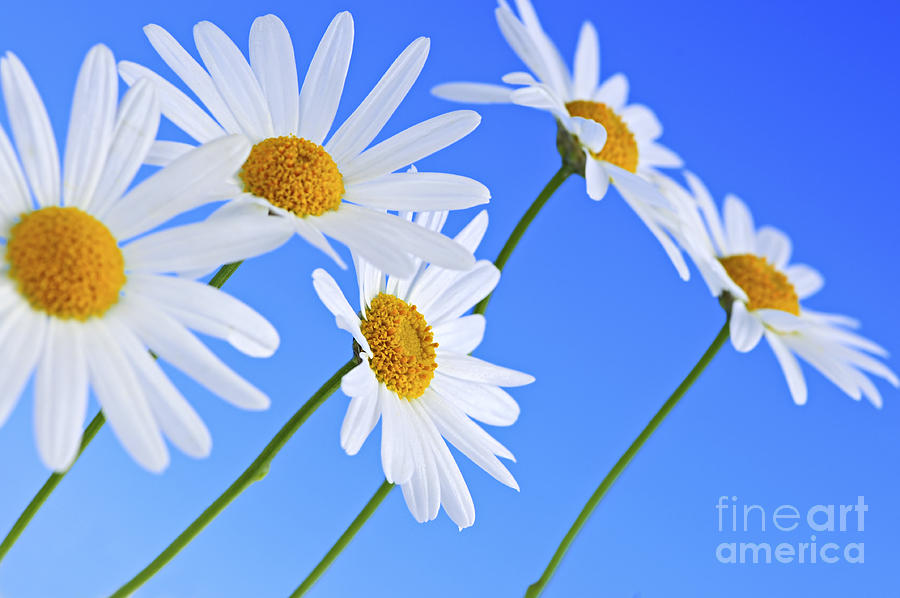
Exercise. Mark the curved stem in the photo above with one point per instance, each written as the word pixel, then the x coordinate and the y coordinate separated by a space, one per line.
pixel 53 481
pixel 524 222
pixel 537 587
pixel 254 473
pixel 345 539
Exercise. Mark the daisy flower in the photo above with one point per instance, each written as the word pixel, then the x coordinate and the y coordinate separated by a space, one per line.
pixel 616 141
pixel 751 268
pixel 417 375
pixel 84 292
pixel 296 180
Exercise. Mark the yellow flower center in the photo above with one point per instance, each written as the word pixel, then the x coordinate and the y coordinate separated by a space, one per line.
pixel 65 262
pixel 766 287
pixel 620 148
pixel 402 343
pixel 293 174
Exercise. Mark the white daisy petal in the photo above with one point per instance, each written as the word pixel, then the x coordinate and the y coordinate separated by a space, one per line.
pixel 792 372
pixel 136 125
pixel 31 129
pixel 122 398
pixel 199 177
pixel 806 280
pixel 272 60
pixel 361 418
pixel 519 78
pixel 417 191
pixel 739 226
pixel 174 103
pixel 779 320
pixel 466 436
pixel 654 154
pixel 330 295
pixel 176 418
pixel 590 133
pixel 15 198
pixel 596 178
pixel 234 79
pixel 194 76
pixel 369 279
pixel 368 119
pixel 409 146
pixel 210 311
pixel 455 496
pixel 163 153
pixel 466 367
pixel 463 293
pixel 204 246
pixel 462 335
pixel 60 394
pixel 169 339
pixel 471 235
pixel 613 92
pixel 518 38
pixel 91 126
pixel 391 232
pixel 773 245
pixel 641 121
pixel 746 328
pixel 22 333
pixel 396 457
pixel 587 63
pixel 486 403
pixel 360 381
pixel 324 80
pixel 473 93
pixel 710 212
pixel 423 491
pixel 314 237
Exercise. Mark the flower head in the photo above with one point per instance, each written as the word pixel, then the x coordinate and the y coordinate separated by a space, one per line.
pixel 298 179
pixel 750 269
pixel 84 285
pixel 615 142
pixel 417 376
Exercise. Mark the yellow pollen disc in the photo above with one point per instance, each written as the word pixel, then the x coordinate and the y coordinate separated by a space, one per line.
pixel 621 148
pixel 766 287
pixel 402 343
pixel 294 174
pixel 65 262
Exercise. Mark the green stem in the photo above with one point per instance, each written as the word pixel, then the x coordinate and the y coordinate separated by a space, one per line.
pixel 549 189
pixel 255 472
pixel 345 539
pixel 537 587
pixel 53 481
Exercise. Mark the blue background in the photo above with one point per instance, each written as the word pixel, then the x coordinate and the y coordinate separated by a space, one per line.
pixel 790 105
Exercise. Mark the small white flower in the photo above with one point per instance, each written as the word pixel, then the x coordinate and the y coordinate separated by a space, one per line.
pixel 83 286
pixel 618 139
pixel 418 377
pixel 313 187
pixel 753 266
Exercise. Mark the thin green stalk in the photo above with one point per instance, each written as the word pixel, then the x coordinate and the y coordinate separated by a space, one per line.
pixel 549 189
pixel 537 587
pixel 255 472
pixel 345 539
pixel 53 481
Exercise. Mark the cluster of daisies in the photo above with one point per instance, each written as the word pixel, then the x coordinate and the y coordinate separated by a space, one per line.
pixel 98 285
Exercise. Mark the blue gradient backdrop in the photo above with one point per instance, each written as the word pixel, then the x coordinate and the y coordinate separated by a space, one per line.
pixel 790 105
